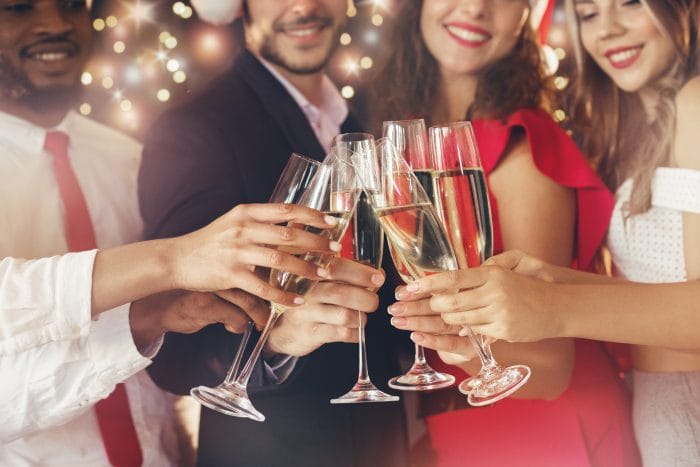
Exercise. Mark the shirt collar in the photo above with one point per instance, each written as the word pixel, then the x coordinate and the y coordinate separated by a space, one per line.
pixel 332 103
pixel 26 135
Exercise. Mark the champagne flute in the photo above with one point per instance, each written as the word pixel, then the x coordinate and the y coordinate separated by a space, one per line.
pixel 462 202
pixel 367 247
pixel 331 190
pixel 410 139
pixel 292 183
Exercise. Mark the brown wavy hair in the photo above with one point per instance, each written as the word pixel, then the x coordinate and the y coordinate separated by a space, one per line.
pixel 407 84
pixel 611 125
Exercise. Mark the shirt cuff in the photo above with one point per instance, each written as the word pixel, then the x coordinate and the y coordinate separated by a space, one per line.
pixel 152 349
pixel 278 368
pixel 112 349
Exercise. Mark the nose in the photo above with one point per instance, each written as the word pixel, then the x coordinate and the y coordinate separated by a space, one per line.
pixel 609 24
pixel 51 19
pixel 474 8
pixel 304 7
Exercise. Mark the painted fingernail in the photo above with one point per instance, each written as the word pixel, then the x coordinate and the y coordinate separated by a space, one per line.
pixel 335 246
pixel 396 309
pixel 323 273
pixel 299 300
pixel 417 337
pixel 330 220
pixel 413 287
pixel 399 322
pixel 377 279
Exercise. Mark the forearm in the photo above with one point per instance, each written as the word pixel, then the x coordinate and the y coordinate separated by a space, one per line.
pixel 664 315
pixel 561 274
pixel 130 272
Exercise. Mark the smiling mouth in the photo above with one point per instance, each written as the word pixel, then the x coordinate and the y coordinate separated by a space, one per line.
pixel 466 34
pixel 306 30
pixel 50 51
pixel 49 56
pixel 622 58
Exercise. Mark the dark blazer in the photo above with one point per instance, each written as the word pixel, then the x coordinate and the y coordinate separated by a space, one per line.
pixel 225 147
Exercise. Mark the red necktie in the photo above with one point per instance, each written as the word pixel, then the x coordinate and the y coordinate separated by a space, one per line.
pixel 113 415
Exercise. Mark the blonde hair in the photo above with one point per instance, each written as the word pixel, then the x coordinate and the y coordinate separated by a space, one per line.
pixel 606 121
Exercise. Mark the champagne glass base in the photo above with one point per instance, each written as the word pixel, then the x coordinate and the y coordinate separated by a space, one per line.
pixel 231 400
pixel 484 389
pixel 421 377
pixel 364 392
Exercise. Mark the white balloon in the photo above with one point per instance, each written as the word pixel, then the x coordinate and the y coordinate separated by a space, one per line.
pixel 217 11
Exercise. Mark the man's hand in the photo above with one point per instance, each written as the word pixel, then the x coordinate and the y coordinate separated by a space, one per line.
pixel 188 312
pixel 330 313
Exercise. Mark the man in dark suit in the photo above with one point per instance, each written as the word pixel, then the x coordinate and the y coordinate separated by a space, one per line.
pixel 228 146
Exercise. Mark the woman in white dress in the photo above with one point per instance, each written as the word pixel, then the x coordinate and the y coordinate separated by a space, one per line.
pixel 636 111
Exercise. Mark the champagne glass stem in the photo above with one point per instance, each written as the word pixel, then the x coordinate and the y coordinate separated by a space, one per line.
pixel 239 354
pixel 483 350
pixel 244 376
pixel 419 355
pixel 363 373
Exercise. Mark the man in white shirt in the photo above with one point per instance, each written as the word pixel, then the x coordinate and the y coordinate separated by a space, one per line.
pixel 228 146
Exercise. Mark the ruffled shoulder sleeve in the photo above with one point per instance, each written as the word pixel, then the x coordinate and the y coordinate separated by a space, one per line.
pixel 557 157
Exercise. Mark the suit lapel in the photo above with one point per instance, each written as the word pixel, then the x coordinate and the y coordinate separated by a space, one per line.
pixel 280 106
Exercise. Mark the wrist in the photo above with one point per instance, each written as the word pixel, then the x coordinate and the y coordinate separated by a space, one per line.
pixel 165 264
pixel 145 327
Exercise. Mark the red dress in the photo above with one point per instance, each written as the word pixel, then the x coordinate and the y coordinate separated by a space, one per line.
pixel 588 425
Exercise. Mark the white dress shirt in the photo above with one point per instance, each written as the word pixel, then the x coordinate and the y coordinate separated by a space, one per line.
pixel 55 361
pixel 326 118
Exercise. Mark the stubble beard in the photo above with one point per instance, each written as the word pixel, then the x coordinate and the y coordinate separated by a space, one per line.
pixel 16 87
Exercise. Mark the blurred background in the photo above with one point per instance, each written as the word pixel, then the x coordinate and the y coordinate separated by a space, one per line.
pixel 151 55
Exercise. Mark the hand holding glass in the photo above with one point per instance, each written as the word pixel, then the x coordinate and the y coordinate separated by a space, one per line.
pixel 462 202
pixel 333 182
pixel 410 138
pixel 368 248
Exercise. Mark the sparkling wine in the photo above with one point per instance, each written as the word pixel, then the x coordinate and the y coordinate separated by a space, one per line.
pixel 298 284
pixel 417 239
pixel 426 178
pixel 368 236
pixel 463 205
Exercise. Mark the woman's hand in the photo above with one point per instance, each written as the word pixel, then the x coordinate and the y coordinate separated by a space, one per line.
pixel 493 301
pixel 413 313
pixel 223 255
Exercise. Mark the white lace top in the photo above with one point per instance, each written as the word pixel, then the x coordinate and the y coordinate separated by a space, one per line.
pixel 649 247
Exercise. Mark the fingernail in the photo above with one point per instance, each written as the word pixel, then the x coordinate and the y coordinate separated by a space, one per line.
pixel 417 337
pixel 323 273
pixel 335 246
pixel 299 300
pixel 330 220
pixel 377 279
pixel 396 309
pixel 413 287
pixel 399 322
pixel 464 332
pixel 400 294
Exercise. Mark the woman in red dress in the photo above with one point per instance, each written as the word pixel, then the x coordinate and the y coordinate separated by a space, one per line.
pixel 480 60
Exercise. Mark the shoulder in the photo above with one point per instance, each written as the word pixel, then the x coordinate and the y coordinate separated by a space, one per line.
pixel 687 138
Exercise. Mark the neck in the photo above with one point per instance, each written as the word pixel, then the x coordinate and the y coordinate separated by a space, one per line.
pixel 455 95
pixel 309 85
pixel 45 112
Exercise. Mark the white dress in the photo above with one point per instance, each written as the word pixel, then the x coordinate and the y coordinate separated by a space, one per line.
pixel 649 248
